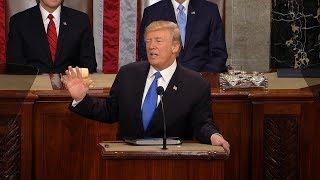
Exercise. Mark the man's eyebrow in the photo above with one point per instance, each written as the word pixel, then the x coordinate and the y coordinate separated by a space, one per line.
pixel 157 38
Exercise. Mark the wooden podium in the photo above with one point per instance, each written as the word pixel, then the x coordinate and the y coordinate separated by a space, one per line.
pixel 54 139
pixel 186 161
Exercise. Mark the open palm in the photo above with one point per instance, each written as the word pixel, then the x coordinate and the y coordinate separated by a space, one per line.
pixel 76 86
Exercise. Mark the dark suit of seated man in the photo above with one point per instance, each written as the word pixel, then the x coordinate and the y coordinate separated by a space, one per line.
pixel 204 49
pixel 28 38
pixel 187 96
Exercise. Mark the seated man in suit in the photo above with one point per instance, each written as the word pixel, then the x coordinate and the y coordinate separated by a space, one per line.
pixel 51 37
pixel 202 33
pixel 133 99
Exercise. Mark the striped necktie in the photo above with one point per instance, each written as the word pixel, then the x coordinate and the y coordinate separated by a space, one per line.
pixel 52 37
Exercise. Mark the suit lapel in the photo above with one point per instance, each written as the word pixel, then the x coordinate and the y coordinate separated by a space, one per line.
pixel 169 95
pixel 38 27
pixel 192 13
pixel 140 79
pixel 174 85
pixel 63 30
pixel 169 12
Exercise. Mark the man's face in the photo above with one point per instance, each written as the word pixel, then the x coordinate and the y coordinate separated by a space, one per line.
pixel 50 5
pixel 161 49
pixel 180 1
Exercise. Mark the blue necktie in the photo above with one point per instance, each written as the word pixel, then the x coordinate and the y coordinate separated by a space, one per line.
pixel 182 22
pixel 150 101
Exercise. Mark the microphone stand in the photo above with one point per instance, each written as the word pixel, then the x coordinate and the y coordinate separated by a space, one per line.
pixel 160 91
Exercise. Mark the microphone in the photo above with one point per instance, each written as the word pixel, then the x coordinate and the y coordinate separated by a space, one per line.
pixel 160 92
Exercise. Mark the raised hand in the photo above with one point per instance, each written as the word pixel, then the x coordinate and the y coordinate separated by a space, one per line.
pixel 76 86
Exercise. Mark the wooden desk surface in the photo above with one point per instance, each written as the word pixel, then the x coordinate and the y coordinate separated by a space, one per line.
pixel 101 81
pixel 120 150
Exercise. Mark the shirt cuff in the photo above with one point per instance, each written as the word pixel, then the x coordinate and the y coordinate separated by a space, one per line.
pixel 75 103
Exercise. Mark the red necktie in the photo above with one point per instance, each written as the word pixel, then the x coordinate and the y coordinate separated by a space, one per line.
pixel 52 37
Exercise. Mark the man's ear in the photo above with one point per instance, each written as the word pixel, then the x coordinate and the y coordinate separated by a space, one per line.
pixel 176 47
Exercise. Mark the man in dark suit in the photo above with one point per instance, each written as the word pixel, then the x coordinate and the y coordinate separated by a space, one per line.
pixel 187 109
pixel 72 42
pixel 204 49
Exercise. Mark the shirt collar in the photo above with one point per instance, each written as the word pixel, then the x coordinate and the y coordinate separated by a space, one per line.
pixel 176 4
pixel 56 14
pixel 166 73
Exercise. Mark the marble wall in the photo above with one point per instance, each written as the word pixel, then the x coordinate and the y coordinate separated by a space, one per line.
pixel 248 33
pixel 295 33
pixel 268 34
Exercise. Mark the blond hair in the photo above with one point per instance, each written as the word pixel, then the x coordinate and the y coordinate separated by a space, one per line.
pixel 160 25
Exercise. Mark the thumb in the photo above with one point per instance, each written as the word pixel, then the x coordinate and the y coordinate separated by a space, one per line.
pixel 216 142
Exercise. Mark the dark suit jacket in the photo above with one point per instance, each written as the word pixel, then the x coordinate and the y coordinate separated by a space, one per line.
pixel 205 46
pixel 187 107
pixel 28 44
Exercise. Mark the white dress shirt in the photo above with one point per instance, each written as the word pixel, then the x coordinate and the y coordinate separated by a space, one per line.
pixel 185 5
pixel 162 81
pixel 46 20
